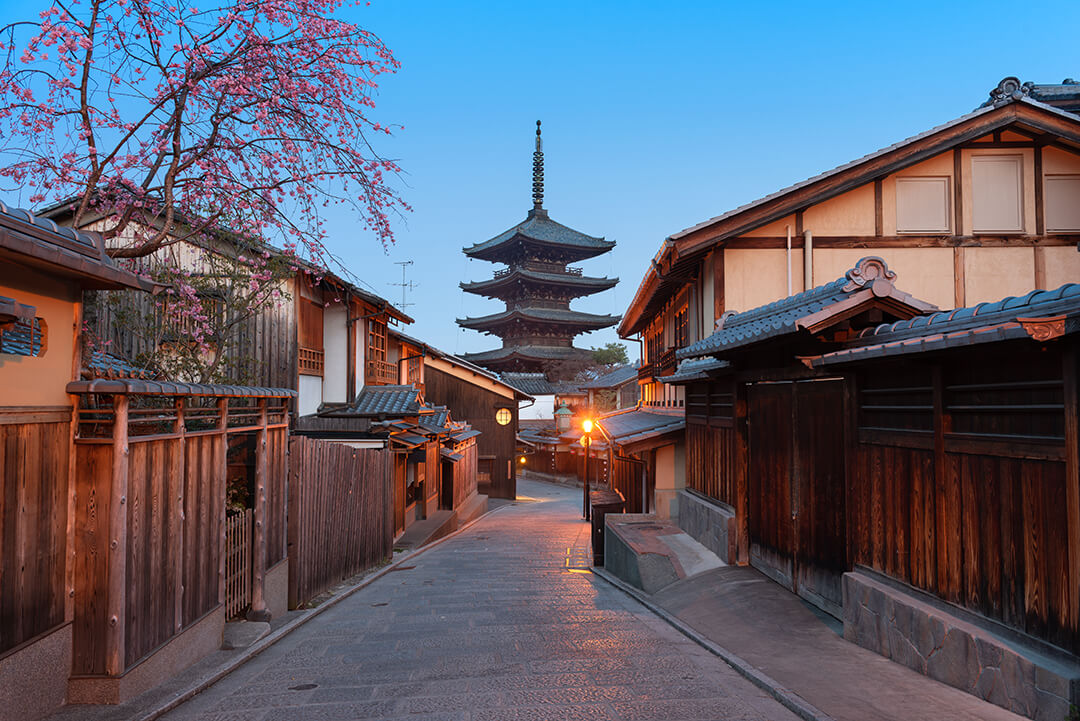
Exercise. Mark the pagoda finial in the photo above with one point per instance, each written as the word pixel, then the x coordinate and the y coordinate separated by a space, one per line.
pixel 538 171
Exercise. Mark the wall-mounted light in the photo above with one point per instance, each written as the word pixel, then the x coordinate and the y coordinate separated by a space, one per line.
pixel 503 416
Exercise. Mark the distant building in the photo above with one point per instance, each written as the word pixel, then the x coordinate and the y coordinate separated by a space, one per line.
pixel 538 326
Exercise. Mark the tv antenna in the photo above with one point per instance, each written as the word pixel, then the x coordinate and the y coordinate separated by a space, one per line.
pixel 404 285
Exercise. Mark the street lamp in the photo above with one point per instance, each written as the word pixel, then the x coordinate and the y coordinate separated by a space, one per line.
pixel 586 441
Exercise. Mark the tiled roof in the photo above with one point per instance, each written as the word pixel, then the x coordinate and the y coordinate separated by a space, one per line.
pixel 543 315
pixel 11 309
pixel 108 365
pixel 789 315
pixel 538 226
pixel 567 388
pixel 532 383
pixel 22 338
pixel 1064 95
pixel 34 240
pixel 627 427
pixel 985 322
pixel 537 352
pixel 137 386
pixel 615 378
pixel 694 369
pixel 380 401
pixel 586 283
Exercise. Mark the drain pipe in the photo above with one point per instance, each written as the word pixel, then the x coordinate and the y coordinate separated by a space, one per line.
pixel 788 229
pixel 808 260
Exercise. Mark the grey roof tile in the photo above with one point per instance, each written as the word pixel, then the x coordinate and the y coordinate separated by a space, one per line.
pixel 614 378
pixel 538 226
pixel 552 315
pixel 532 383
pixel 401 400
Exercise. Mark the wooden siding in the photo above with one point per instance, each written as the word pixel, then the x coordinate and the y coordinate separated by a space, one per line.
pixel 340 505
pixel 33 525
pixel 710 461
pixel 476 405
pixel 973 509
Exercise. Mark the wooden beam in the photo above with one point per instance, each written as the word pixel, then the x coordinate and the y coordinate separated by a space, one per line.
pixel 799 225
pixel 959 281
pixel 72 508
pixel 175 494
pixel 223 474
pixel 1040 267
pixel 115 633
pixel 742 469
pixel 907 241
pixel 1040 221
pixel 1072 478
pixel 879 216
pixel 958 193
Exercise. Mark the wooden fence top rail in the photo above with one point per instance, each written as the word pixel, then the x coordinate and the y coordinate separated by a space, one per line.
pixel 135 386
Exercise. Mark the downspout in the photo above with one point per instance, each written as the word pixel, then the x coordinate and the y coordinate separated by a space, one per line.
pixel 788 229
pixel 808 260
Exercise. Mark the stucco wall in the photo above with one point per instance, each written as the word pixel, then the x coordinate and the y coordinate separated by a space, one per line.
pixel 753 277
pixel 994 273
pixel 851 213
pixel 41 381
pixel 310 395
pixel 335 353
pixel 926 273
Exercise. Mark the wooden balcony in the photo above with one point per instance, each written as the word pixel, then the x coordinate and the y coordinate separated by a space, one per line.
pixel 381 373
pixel 667 363
pixel 646 373
pixel 310 362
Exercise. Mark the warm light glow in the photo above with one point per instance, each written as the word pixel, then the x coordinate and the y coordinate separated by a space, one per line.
pixel 585 441
pixel 522 460
pixel 503 416
pixel 587 425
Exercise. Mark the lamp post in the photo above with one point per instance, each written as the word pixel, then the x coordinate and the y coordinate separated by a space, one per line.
pixel 586 441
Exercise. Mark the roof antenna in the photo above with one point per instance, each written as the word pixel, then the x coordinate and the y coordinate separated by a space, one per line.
pixel 538 171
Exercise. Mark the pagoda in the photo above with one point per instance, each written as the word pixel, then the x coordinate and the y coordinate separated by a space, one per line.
pixel 538 325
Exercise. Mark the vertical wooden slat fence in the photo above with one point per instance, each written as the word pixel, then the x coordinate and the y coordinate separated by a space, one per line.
pixel 237 563
pixel 341 503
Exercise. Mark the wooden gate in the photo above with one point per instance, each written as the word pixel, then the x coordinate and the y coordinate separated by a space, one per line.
pixel 237 563
pixel 796 487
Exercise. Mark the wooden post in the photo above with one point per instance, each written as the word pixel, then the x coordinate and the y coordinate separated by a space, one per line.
pixel 72 506
pixel 115 647
pixel 177 513
pixel 223 474
pixel 259 612
pixel 1072 479
pixel 741 465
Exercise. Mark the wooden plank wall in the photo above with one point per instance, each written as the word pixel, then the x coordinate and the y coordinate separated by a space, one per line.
pixel 277 537
pixel 710 461
pixel 33 524
pixel 340 513
pixel 469 402
pixel 92 507
pixel 968 501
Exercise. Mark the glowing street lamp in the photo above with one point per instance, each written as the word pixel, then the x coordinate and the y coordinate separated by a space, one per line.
pixel 586 441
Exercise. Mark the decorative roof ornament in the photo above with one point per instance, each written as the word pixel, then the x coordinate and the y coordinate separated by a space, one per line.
pixel 866 272
pixel 1010 88
pixel 538 171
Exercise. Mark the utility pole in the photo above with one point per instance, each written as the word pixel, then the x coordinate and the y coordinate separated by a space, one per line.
pixel 405 286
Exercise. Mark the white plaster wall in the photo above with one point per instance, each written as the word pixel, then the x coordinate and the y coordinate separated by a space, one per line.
pixel 335 353
pixel 309 395
pixel 543 409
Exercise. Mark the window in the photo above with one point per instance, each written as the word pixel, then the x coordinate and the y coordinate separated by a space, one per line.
pixel 1061 193
pixel 922 205
pixel 681 336
pixel 23 337
pixel 653 346
pixel 996 193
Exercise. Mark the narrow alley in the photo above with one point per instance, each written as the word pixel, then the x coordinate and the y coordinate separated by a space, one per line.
pixel 501 622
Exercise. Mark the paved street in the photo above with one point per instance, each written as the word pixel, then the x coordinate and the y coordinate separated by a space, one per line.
pixel 495 623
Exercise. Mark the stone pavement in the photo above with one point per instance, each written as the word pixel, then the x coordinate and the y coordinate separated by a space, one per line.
pixel 804 651
pixel 500 622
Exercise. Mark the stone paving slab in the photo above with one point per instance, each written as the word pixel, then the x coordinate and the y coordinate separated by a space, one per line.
pixel 499 622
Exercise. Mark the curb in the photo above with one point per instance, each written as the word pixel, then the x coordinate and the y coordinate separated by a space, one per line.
pixel 274 636
pixel 789 699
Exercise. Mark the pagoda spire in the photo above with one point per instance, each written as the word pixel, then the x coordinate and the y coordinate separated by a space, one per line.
pixel 538 171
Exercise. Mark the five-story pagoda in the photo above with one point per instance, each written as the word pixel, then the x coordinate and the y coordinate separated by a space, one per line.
pixel 538 326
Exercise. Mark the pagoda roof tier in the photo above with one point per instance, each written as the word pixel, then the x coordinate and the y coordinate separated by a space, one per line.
pixel 541 316
pixel 509 358
pixel 506 281
pixel 542 233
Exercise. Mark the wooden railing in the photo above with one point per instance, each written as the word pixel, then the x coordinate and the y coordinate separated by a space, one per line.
pixel 310 362
pixel 646 372
pixel 237 563
pixel 381 373
pixel 667 363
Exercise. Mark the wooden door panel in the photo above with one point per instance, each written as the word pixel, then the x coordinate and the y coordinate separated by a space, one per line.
pixel 769 480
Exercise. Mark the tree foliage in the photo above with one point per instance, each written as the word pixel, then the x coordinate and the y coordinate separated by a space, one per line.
pixel 612 354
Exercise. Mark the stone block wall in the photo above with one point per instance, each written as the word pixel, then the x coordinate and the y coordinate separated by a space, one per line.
pixel 709 524
pixel 929 639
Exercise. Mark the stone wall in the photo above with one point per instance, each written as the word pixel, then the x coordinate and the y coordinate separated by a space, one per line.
pixel 710 524
pixel 929 639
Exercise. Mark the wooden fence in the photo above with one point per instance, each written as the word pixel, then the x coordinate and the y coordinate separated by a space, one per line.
pixel 341 503
pixel 149 512
pixel 237 563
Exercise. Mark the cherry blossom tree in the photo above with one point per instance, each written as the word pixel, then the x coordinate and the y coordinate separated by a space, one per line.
pixel 157 122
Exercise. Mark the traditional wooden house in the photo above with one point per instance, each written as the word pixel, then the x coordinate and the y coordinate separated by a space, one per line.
pixel 869 452
pixel 104 590
pixel 612 391
pixel 983 205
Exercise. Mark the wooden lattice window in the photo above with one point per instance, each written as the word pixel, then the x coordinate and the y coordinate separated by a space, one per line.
pixel 681 328
pixel 376 340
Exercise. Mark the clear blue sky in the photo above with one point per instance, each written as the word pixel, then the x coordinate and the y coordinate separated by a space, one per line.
pixel 656 116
